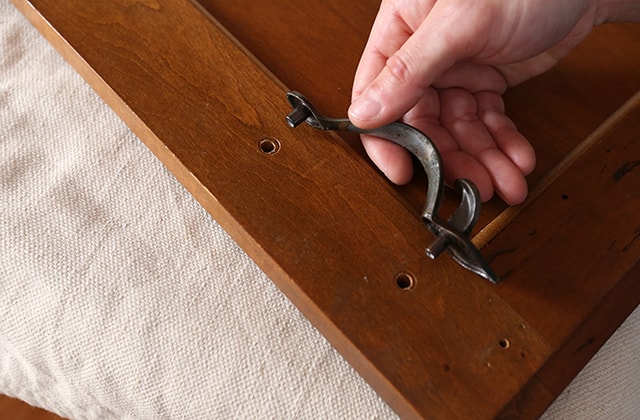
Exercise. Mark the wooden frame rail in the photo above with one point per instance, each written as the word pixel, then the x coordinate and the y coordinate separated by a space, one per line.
pixel 335 236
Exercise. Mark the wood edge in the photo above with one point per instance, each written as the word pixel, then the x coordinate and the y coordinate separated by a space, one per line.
pixel 314 314
pixel 337 138
pixel 500 222
pixel 350 352
pixel 13 407
pixel 367 370
pixel 264 69
pixel 579 348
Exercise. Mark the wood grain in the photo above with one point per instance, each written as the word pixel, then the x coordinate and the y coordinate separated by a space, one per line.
pixel 318 56
pixel 334 235
pixel 588 248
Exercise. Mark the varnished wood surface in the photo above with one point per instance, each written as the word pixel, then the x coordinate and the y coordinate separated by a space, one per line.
pixel 334 235
pixel 14 409
pixel 580 260
pixel 318 56
pixel 576 217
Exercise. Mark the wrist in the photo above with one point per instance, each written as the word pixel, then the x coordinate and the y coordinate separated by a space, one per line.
pixel 617 11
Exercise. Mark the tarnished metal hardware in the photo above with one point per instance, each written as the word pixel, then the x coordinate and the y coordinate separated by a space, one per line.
pixel 451 235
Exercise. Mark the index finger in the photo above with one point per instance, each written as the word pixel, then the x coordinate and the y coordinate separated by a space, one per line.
pixel 389 32
pixel 387 88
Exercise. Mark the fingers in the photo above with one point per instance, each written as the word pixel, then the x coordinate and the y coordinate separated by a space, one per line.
pixel 387 35
pixel 410 52
pixel 396 89
pixel 461 165
pixel 393 26
pixel 398 66
pixel 475 139
pixel 459 115
pixel 507 137
pixel 491 140
pixel 472 77
pixel 393 160
pixel 509 183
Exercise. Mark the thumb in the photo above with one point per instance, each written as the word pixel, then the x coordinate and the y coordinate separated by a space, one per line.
pixel 407 74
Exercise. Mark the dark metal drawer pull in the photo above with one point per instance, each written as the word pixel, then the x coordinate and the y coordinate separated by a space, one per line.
pixel 451 235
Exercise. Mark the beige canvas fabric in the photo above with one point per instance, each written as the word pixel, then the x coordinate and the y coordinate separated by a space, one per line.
pixel 120 297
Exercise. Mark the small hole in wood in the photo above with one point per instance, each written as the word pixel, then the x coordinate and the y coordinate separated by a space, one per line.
pixel 405 281
pixel 269 145
pixel 504 343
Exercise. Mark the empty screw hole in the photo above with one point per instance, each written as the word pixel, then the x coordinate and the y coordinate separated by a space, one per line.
pixel 269 146
pixel 405 281
pixel 504 343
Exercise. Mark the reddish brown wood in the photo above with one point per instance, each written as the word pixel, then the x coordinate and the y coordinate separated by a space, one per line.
pixel 577 218
pixel 333 235
pixel 580 261
pixel 316 48
pixel 11 408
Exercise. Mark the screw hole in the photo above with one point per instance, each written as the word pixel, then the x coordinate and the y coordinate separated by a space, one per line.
pixel 269 146
pixel 405 281
pixel 504 343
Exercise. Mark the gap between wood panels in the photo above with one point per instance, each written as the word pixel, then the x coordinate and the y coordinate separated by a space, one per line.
pixel 500 222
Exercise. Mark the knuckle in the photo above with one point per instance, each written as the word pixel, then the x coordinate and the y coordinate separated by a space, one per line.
pixel 401 68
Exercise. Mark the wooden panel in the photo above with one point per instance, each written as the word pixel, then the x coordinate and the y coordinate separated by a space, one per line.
pixel 332 233
pixel 556 111
pixel 580 259
pixel 11 408
pixel 587 219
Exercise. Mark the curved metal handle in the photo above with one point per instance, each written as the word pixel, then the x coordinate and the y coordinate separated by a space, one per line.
pixel 452 235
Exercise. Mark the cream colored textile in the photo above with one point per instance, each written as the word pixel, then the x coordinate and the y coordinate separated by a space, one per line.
pixel 121 298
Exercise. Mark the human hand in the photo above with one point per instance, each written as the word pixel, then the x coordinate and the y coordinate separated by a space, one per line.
pixel 442 67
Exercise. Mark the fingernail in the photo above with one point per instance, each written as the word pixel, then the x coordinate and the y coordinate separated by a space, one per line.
pixel 365 108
